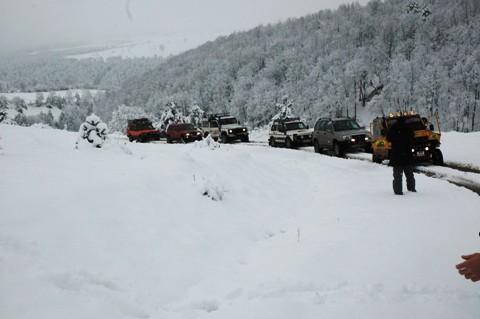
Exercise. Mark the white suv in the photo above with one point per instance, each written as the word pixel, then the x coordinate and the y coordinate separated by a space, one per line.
pixel 289 132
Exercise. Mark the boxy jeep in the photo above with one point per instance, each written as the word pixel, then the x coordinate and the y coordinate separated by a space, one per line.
pixel 225 127
pixel 142 130
pixel 289 132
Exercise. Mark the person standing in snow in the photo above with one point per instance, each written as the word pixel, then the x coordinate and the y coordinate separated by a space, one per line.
pixel 470 268
pixel 401 155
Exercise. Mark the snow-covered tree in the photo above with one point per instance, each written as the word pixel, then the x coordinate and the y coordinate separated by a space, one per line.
pixel 93 130
pixel 196 114
pixel 170 114
pixel 3 108
pixel 124 113
pixel 285 108
pixel 39 99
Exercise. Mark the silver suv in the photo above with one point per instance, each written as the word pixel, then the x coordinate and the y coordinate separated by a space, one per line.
pixel 340 135
pixel 289 132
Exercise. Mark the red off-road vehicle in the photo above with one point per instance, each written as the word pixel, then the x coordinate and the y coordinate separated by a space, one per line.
pixel 185 132
pixel 142 130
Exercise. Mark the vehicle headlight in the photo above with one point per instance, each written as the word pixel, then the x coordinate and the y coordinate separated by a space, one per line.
pixel 198 133
pixel 187 135
pixel 413 150
pixel 346 137
pixel 244 130
pixel 426 148
pixel 230 131
pixel 367 138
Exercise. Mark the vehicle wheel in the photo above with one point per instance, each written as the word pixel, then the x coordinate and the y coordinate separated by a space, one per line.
pixel 224 139
pixel 376 159
pixel 169 140
pixel 245 139
pixel 272 142
pixel 337 149
pixel 317 147
pixel 437 157
pixel 205 135
pixel 130 139
pixel 288 143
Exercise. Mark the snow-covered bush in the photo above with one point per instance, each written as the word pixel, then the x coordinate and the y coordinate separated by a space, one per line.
pixel 207 142
pixel 212 188
pixel 93 130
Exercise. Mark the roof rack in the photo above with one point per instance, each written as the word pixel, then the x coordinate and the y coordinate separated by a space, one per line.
pixel 216 115
pixel 286 119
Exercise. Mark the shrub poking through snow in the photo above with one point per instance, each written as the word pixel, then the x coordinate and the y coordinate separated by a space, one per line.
pixel 207 142
pixel 211 188
pixel 93 130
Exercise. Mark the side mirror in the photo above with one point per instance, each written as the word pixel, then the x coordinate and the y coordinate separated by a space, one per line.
pixel 383 133
pixel 431 127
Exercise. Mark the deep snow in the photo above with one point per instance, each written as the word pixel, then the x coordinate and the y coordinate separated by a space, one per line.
pixel 127 231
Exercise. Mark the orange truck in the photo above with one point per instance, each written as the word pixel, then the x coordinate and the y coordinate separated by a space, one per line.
pixel 426 147
pixel 142 130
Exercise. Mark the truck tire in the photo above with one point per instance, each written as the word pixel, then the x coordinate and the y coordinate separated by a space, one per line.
pixel 376 159
pixel 317 147
pixel 224 138
pixel 437 157
pixel 288 143
pixel 337 149
pixel 272 142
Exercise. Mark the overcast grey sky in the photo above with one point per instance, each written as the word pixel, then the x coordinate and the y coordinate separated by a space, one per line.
pixel 36 22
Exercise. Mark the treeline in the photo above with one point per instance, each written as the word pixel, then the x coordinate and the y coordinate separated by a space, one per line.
pixel 386 56
pixel 44 72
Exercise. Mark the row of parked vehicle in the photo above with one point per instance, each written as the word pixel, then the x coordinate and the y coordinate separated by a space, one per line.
pixel 221 126
pixel 336 135
pixel 341 135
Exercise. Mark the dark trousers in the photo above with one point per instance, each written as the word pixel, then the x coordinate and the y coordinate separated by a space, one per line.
pixel 397 178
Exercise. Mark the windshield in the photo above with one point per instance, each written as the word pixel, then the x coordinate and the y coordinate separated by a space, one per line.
pixel 345 125
pixel 295 126
pixel 228 120
pixel 415 124
pixel 186 127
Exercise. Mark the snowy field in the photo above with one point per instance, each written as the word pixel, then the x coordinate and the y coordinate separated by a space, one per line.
pixel 236 231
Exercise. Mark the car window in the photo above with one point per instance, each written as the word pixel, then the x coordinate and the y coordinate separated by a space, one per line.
pixel 345 125
pixel 214 124
pixel 295 126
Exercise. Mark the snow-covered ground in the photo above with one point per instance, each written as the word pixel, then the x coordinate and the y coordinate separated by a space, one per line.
pixel 131 231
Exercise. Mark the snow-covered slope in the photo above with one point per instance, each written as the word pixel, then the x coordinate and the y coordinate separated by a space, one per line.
pixel 129 231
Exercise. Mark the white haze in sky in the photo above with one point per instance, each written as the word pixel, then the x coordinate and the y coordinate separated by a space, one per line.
pixel 31 23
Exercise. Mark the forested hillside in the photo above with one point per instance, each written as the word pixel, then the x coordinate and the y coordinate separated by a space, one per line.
pixel 386 56
pixel 53 71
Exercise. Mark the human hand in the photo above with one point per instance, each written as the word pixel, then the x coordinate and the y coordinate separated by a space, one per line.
pixel 470 268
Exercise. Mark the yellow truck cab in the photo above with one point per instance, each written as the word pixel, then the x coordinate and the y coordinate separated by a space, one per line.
pixel 426 133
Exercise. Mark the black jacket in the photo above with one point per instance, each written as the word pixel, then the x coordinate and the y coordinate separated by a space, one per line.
pixel 402 141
